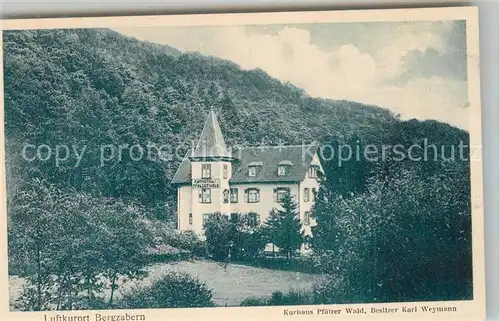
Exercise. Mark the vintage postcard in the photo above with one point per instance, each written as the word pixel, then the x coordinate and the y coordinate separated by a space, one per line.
pixel 256 166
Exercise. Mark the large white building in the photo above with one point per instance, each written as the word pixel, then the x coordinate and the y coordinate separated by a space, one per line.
pixel 213 178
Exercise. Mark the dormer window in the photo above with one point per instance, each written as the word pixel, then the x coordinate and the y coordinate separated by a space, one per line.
pixel 313 171
pixel 253 168
pixel 284 167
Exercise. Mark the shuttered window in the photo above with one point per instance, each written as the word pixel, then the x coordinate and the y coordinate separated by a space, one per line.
pixel 205 195
pixel 206 171
pixel 280 192
pixel 307 194
pixel 307 218
pixel 234 195
pixel 252 195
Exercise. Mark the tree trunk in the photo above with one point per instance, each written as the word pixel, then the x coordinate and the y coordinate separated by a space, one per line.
pixel 113 284
pixel 39 278
pixel 60 292
pixel 89 289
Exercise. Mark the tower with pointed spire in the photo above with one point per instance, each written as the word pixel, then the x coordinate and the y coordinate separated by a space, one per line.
pixel 210 172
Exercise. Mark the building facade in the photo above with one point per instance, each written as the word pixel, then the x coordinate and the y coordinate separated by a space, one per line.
pixel 215 179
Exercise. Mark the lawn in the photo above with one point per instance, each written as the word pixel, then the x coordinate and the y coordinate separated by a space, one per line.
pixel 237 282
pixel 230 286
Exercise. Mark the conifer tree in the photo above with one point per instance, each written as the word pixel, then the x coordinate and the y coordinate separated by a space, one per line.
pixel 271 225
pixel 284 227
pixel 323 212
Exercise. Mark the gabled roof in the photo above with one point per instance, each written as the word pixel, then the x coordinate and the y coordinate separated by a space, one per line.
pixel 300 156
pixel 211 143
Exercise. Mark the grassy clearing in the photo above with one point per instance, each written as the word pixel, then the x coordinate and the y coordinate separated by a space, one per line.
pixel 237 282
pixel 230 285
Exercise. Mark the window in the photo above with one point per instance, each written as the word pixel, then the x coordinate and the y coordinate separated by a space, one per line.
pixel 234 195
pixel 284 167
pixel 205 219
pixel 307 218
pixel 225 171
pixel 254 167
pixel 314 194
pixel 206 171
pixel 280 192
pixel 307 242
pixel 226 196
pixel 253 219
pixel 312 173
pixel 205 195
pixel 190 218
pixel 307 195
pixel 252 195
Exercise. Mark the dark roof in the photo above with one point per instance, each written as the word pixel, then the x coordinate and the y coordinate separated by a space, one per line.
pixel 211 143
pixel 300 156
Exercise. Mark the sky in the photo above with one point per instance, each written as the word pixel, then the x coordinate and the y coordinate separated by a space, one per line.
pixel 415 69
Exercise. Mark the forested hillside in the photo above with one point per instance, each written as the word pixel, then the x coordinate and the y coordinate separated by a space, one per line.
pixel 97 88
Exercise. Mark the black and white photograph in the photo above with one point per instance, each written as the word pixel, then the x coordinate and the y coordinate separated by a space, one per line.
pixel 321 166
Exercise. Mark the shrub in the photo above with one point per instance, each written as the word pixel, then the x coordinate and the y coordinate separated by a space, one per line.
pixel 219 236
pixel 174 290
pixel 280 298
pixel 186 240
pixel 303 264
pixel 253 302
pixel 291 298
pixel 167 253
pixel 238 237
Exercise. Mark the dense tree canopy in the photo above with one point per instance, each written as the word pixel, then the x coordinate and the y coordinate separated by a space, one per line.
pixel 94 88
